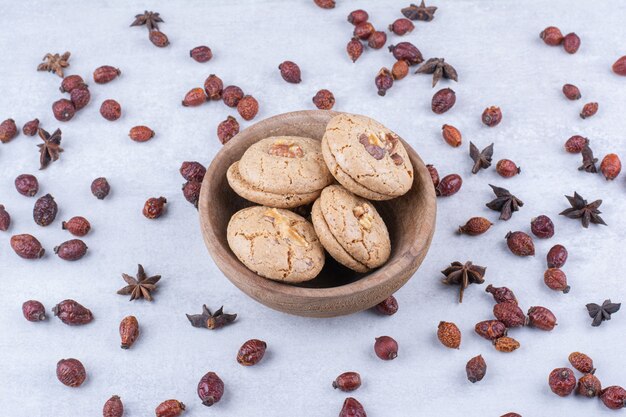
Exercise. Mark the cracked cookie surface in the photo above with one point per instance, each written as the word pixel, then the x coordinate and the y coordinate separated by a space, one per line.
pixel 276 244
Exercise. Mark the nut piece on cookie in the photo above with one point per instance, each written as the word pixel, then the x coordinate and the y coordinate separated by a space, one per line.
pixel 276 244
pixel 350 229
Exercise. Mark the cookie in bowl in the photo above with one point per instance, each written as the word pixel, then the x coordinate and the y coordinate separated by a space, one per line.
pixel 276 244
pixel 366 158
pixel 281 171
pixel 350 229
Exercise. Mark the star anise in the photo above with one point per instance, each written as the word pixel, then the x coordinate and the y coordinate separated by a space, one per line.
pixel 420 12
pixel 603 312
pixel 50 149
pixel 463 275
pixel 482 159
pixel 210 320
pixel 150 19
pixel 589 162
pixel 55 63
pixel 439 68
pixel 505 202
pixel 587 213
pixel 139 287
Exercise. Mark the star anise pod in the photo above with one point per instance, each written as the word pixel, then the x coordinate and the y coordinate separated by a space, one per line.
pixel 589 162
pixel 55 63
pixel 210 320
pixel 587 213
pixel 50 149
pixel 505 202
pixel 420 12
pixel 139 287
pixel 603 312
pixel 463 275
pixel 150 19
pixel 482 159
pixel 439 68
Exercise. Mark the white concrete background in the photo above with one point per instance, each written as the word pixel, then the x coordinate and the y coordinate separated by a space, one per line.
pixel 501 61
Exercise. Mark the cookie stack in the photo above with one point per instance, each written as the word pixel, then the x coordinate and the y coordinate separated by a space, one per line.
pixel 285 174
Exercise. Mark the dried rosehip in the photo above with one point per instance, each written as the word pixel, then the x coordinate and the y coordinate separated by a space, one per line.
pixel 251 352
pixel 451 135
pixel 8 130
pixel 506 344
pixel 105 74
pixel 475 226
pixel 33 311
pixel 557 256
pixel 5 219
pixel 402 26
pixel 387 307
pixel 449 335
pixel 80 97
pixel 571 92
pixel 71 372
pixel 348 381
pixel 520 244
pixel 510 314
pixel 386 348
pixel 72 313
pixel 129 331
pixel 194 97
pixel 324 100
pixel 507 168
pixel 581 362
pixel 27 246
pixel 589 386
pixel 511 415
pixel 31 128
pixel 492 116
pixel 231 95
pixel 619 66
pixel 352 408
pixel 71 82
pixel 542 227
pixel 100 188
pixel 400 69
pixel 501 294
pixel 490 329
pixel 476 369
pixel 434 174
pixel 614 397
pixel 248 107
pixel 111 110
pixel 589 110
pixel 383 81
pixel 201 54
pixel 449 185
pixel 63 110
pixel 555 279
pixel 408 52
pixel 562 381
pixel 358 16
pixel 141 133
pixel 377 40
pixel 158 39
pixel 571 43
pixel 551 36
pixel 363 30
pixel 611 166
pixel 113 407
pixel 154 207
pixel 576 144
pixel 27 185
pixel 210 389
pixel 325 4
pixel 290 71
pixel 541 318
pixel 192 171
pixel 170 408
pixel 78 226
pixel 213 87
pixel 45 210
pixel 227 129
pixel 354 49
pixel 191 192
pixel 443 100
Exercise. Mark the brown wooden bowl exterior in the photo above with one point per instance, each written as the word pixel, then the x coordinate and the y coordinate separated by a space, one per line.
pixel 410 219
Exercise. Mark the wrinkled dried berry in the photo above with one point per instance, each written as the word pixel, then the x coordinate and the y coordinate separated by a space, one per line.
pixel 510 314
pixel 27 185
pixel 210 389
pixel 542 227
pixel 71 372
pixel 476 369
pixel 520 243
pixel 33 311
pixel 348 381
pixel 387 307
pixel 227 129
pixel 201 54
pixel 507 168
pixel 158 39
pixel 562 381
pixel 402 26
pixel 506 344
pixel 80 97
pixel 31 128
pixel 141 133
pixel 475 226
pixel 443 100
pixel 619 66
pixel 63 110
pixel 170 408
pixel 213 87
pixel 408 52
pixel 248 107
pixel 589 386
pixel 251 352
pixel 571 43
pixel 111 110
pixel 386 348
pixel 451 135
pixel 581 362
pixel 555 279
pixel 571 92
pixel 611 166
pixel 72 313
pixel 105 74
pixel 614 397
pixel 8 130
pixel 71 250
pixel 449 185
pixel 492 116
pixel 377 40
pixel 100 188
pixel 231 95
pixel 363 30
pixel 71 82
pixel 541 318
pixel 434 174
pixel 358 16
pixel 576 144
pixel 354 49
pixel 45 210
pixel 27 246
pixel 449 335
pixel 383 81
pixel 324 100
pixel 191 192
pixel 113 407
pixel 490 329
pixel 551 36
pixel 290 71
pixel 5 219
pixel 352 408
pixel 589 110
pixel 192 171
pixel 325 4
pixel 557 256
pixel 154 207
pixel 501 294
pixel 78 226
pixel 400 69
pixel 129 331
pixel 194 97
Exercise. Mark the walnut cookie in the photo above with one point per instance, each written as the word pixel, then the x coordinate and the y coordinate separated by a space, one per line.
pixel 350 229
pixel 276 244
pixel 366 158
pixel 282 171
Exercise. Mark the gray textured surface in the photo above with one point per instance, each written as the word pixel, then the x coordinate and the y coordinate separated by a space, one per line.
pixel 500 59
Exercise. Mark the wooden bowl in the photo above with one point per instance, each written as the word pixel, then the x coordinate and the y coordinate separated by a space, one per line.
pixel 337 290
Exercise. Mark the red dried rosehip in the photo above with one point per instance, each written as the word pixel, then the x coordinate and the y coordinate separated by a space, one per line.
pixel 170 408
pixel 213 87
pixel 507 168
pixel 387 307
pixel 354 48
pixel 251 352
pixel 555 279
pixel 248 107
pixel 402 26
pixel 191 192
pixel 576 143
pixel 113 407
pixel 201 54
pixel 27 185
pixel 227 129
pixel 476 369
pixel 5 219
pixel 377 40
pixel 571 43
pixel 72 313
pixel 557 256
pixel 400 69
pixel 192 171
pixel 451 135
pixel 589 110
pixel 551 36
pixel 45 210
pixel 8 130
pixel 71 82
pixel 290 71
pixel 231 95
pixel 324 99
pixel 80 97
pixel 111 110
pixel 63 110
pixel 154 207
pixel 78 226
pixel 581 362
pixel 31 128
pixel 129 331
pixel 434 174
pixel 611 166
pixel 194 97
pixel 386 348
pixel 158 39
pixel 325 4
pixel 588 386
pixel 520 243
pixel 542 227
pixel 562 381
pixel 443 100
pixel 358 16
pixel 511 415
pixel 363 30
pixel 501 294
pixel 71 250
pixel 141 133
pixel 619 66
pixel 541 318
pixel 383 81
pixel 33 311
pixel 210 389
pixel 71 372
pixel 492 116
pixel 352 408
pixel 408 52
pixel 449 335
pixel 27 246
pixel 105 74
pixel 100 188
pixel 490 329
pixel 510 314
pixel 475 226
pixel 449 185
pixel 348 381
pixel 614 397
pixel 571 92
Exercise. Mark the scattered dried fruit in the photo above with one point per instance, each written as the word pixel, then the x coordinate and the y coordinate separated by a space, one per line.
pixel 451 135
pixel 352 408
pixel 476 369
pixel 72 313
pixel 71 372
pixel 449 185
pixel 501 294
pixel 45 210
pixel 78 226
pixel 542 227
pixel 589 386
pixel 248 107
pixel 191 192
pixel 520 244
pixel 491 329
pixel 614 397
pixel 510 314
pixel 192 171
pixel 576 144
pixel 158 39
pixel 541 318
pixel 27 185
pixel 251 352
pixel 562 381
pixel 129 331
pixel 113 407
pixel 383 81
pixel 611 166
pixel 324 99
pixel 111 110
pixel 325 4
pixel 227 129
pixel 408 52
pixel 557 256
pixel 80 97
pixel 5 219
pixel 401 26
pixel 348 381
pixel 63 110
pixel 213 87
pixel 463 275
pixel 231 95
pixel 211 321
pixel 27 246
pixel 30 128
pixel 507 168
pixel 105 74
pixel 506 344
pixel 581 362
pixel 194 97
pixel 71 250
pixel 201 54
pixel 354 49
pixel 475 226
pixel 492 116
pixel 449 335
pixel 290 71
pixel 386 348
pixel 571 43
pixel 363 30
pixel 589 110
pixel 551 36
pixel 33 311
pixel 100 188
pixel 377 40
pixel 210 389
pixel 170 408
pixel 154 207
pixel 619 66
pixel 571 92
pixel 8 130
pixel 387 307
pixel 71 82
pixel 141 133
pixel 556 280
pixel 443 100
pixel 358 16
pixel 434 174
